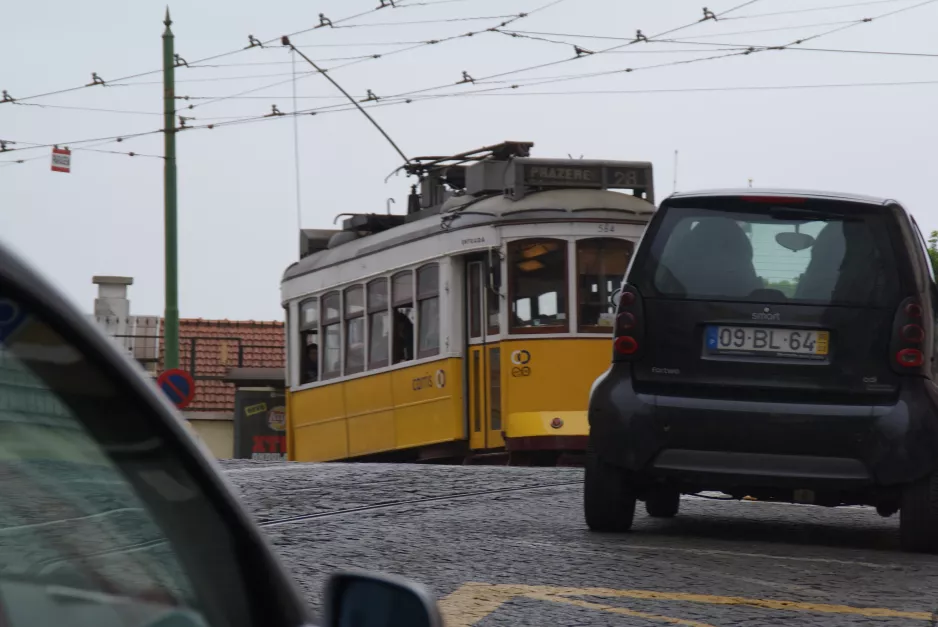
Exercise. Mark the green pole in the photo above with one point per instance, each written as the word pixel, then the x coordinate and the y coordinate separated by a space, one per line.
pixel 171 331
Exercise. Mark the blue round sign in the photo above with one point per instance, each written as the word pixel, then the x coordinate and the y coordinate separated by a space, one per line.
pixel 178 386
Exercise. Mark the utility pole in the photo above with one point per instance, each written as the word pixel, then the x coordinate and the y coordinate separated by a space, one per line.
pixel 171 329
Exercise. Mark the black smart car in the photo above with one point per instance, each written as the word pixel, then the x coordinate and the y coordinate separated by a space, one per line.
pixel 774 344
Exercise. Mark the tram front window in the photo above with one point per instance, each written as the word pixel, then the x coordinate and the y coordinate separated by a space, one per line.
pixel 402 292
pixel 601 264
pixel 537 272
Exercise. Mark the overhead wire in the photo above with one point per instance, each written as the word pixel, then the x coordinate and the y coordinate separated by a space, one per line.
pixel 412 96
pixel 814 9
pixel 741 52
pixel 107 83
pixel 578 56
pixel 430 42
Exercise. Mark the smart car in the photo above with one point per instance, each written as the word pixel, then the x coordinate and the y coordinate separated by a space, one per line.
pixel 778 345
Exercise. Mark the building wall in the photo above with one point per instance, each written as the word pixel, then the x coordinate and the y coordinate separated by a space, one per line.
pixel 216 432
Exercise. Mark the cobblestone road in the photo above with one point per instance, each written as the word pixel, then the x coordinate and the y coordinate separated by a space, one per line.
pixel 508 546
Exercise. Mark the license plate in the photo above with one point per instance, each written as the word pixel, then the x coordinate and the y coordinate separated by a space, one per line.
pixel 768 341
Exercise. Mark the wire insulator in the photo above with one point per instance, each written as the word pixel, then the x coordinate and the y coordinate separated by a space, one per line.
pixel 385 4
pixel 371 97
pixel 708 15
pixel 254 42
pixel 96 80
pixel 581 51
pixel 180 62
pixel 639 36
pixel 325 21
pixel 7 97
pixel 466 78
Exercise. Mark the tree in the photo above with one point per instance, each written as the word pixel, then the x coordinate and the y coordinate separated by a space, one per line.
pixel 933 250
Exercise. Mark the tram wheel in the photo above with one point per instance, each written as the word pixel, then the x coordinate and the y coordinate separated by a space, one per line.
pixel 608 497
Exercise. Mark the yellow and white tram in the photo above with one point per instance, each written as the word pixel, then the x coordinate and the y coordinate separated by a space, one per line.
pixel 470 328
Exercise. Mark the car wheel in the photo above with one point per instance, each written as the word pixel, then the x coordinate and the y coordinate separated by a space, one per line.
pixel 608 498
pixel 663 502
pixel 918 515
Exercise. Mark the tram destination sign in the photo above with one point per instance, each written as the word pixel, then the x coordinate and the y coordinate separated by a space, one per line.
pixel 596 175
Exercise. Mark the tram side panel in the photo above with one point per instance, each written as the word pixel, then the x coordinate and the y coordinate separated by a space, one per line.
pixel 398 410
pixel 546 380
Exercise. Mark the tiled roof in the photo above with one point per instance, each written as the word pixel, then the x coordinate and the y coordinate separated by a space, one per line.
pixel 217 344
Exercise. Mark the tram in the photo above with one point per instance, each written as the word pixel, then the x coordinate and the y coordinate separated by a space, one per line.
pixel 470 329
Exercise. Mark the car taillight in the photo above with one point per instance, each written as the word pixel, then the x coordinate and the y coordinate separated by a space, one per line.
pixel 629 327
pixel 909 337
pixel 910 357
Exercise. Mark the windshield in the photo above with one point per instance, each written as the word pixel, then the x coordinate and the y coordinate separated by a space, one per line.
pixel 775 255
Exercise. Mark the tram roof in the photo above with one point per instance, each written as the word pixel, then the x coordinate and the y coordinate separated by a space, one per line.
pixel 464 212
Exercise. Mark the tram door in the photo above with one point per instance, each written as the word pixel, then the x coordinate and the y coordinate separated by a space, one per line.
pixel 483 359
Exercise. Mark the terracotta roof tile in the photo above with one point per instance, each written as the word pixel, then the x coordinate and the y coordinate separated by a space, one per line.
pixel 215 346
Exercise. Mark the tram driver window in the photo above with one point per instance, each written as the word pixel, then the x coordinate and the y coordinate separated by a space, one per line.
pixel 309 341
pixel 354 329
pixel 601 264
pixel 379 332
pixel 428 316
pixel 332 334
pixel 537 274
pixel 402 312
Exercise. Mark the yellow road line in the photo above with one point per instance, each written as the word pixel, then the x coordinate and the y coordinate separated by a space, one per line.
pixel 611 609
pixel 474 601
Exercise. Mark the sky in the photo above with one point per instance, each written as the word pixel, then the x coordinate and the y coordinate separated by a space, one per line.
pixel 238 210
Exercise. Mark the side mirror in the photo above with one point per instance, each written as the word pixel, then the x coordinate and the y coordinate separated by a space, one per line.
pixel 360 599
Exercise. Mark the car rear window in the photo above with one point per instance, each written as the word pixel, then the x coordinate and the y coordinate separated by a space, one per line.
pixel 772 254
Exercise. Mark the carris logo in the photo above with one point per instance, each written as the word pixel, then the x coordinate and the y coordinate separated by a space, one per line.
pixel 766 314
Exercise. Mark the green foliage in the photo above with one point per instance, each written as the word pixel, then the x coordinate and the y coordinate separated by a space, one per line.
pixel 933 250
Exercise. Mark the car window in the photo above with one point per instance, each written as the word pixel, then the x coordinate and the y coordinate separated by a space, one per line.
pixel 88 493
pixel 761 256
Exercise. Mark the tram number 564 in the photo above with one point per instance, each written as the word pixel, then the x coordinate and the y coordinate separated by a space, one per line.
pixel 607 228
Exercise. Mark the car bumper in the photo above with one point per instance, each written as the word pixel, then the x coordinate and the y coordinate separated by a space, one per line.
pixel 725 442
pixel 547 430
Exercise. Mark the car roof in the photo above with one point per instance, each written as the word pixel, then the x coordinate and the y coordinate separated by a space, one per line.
pixel 800 193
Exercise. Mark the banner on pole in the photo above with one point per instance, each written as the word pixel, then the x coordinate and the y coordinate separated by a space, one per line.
pixel 61 160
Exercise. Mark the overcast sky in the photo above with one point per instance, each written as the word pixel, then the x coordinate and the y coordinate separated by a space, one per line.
pixel 237 203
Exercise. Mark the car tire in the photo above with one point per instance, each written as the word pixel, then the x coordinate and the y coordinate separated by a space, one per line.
pixel 918 516
pixel 663 503
pixel 608 497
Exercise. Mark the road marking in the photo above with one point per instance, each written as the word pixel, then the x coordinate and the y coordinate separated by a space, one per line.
pixel 474 601
pixel 611 609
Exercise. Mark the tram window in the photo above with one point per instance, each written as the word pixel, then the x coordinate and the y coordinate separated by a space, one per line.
pixel 332 332
pixel 428 321
pixel 378 324
pixel 537 275
pixel 601 264
pixel 402 311
pixel 354 330
pixel 493 284
pixel 309 341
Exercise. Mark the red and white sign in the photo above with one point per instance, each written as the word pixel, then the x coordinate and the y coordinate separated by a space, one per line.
pixel 61 160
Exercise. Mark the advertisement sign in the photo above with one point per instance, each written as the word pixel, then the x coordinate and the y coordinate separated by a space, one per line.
pixel 260 424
